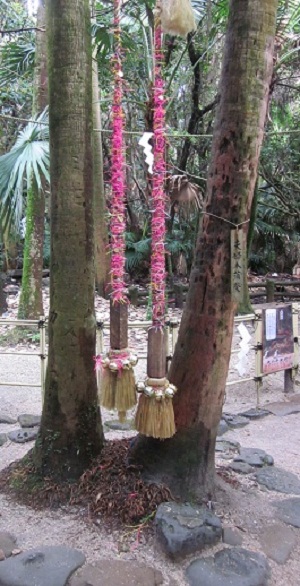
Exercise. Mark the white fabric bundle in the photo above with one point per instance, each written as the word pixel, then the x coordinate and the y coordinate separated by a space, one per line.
pixel 177 17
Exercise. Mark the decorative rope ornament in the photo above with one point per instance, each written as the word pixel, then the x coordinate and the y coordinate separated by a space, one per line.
pixel 177 17
pixel 155 415
pixel 117 382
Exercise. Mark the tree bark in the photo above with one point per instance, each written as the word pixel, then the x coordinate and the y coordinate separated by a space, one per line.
pixel 71 432
pixel 100 222
pixel 200 364
pixel 31 299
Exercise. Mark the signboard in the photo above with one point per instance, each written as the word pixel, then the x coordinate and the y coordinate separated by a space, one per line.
pixel 277 339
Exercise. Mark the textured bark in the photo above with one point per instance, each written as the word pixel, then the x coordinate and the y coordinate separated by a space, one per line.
pixel 31 300
pixel 200 364
pixel 71 432
pixel 100 224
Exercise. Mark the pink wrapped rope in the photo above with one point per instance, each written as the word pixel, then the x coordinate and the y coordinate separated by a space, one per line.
pixel 117 219
pixel 158 273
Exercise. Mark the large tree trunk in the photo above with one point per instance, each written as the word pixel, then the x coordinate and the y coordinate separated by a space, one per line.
pixel 102 263
pixel 200 363
pixel 71 432
pixel 31 300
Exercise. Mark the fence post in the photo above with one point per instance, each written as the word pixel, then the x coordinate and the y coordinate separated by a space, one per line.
pixel 270 290
pixel 289 381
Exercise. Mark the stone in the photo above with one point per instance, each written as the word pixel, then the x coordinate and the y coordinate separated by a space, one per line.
pixel 21 436
pixel 282 408
pixel 222 428
pixel 7 543
pixel 116 573
pixel 254 457
pixel 3 438
pixel 241 467
pixel 2 555
pixel 277 542
pixel 288 511
pixel 279 480
pixel 235 421
pixel 27 420
pixel 227 446
pixel 255 413
pixel 182 529
pixel 118 426
pixel 231 536
pixel 7 419
pixel 230 567
pixel 44 566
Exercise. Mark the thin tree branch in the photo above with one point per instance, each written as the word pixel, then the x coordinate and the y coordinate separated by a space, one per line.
pixel 22 30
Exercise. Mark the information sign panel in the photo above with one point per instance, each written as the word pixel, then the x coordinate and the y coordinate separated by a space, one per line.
pixel 277 339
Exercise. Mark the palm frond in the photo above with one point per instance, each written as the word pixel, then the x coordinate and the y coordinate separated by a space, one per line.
pixel 28 160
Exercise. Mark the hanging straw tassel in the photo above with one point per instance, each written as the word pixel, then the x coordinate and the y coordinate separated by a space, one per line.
pixel 177 17
pixel 155 415
pixel 117 383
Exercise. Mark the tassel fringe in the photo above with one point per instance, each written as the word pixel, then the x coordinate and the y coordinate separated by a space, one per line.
pixel 117 391
pixel 155 418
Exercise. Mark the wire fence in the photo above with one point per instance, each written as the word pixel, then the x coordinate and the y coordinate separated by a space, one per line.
pixel 172 327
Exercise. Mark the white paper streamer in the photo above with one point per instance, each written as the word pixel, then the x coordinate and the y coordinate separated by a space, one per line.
pixel 144 142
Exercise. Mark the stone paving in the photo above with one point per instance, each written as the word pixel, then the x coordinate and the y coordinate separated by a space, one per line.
pixel 181 530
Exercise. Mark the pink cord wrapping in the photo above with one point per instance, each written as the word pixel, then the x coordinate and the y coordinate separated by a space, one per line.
pixel 118 358
pixel 158 273
pixel 117 221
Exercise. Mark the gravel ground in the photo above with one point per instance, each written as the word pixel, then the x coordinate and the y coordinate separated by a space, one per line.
pixel 248 507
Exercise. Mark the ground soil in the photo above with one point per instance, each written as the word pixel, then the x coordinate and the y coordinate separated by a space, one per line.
pixel 242 504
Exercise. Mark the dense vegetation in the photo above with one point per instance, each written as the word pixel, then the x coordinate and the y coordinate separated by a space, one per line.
pixel 192 70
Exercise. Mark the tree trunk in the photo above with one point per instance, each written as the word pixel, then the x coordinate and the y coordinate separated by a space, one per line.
pixel 71 432
pixel 200 363
pixel 31 299
pixel 100 222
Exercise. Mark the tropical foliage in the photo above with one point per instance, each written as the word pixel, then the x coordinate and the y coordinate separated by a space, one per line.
pixel 192 70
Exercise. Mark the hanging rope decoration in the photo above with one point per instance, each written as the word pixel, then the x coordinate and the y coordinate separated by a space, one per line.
pixel 117 218
pixel 117 387
pixel 155 416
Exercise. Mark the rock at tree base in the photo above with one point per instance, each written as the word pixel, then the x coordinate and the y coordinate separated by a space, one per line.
pixel 278 542
pixel 235 421
pixel 241 467
pixel 230 567
pixel 116 573
pixel 27 420
pixel 227 446
pixel 3 438
pixel 280 480
pixel 288 511
pixel 255 413
pixel 254 457
pixel 7 543
pixel 7 419
pixel 182 529
pixel 21 436
pixel 45 566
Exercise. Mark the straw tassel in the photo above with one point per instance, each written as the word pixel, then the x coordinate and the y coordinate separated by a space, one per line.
pixel 177 17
